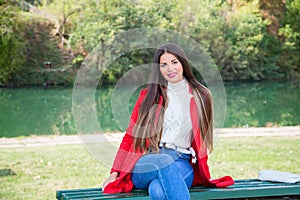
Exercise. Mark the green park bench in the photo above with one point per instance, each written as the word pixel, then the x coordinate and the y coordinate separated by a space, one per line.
pixel 241 189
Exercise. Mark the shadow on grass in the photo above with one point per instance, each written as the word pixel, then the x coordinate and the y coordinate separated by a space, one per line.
pixel 7 172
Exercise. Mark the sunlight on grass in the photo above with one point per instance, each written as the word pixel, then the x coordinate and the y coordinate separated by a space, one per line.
pixel 243 158
pixel 40 171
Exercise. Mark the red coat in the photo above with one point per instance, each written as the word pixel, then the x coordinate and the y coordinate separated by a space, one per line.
pixel 126 157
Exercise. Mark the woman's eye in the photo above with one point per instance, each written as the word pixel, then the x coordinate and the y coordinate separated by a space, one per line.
pixel 162 65
pixel 175 62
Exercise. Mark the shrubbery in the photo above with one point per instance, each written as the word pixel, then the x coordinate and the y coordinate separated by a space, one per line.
pixel 235 33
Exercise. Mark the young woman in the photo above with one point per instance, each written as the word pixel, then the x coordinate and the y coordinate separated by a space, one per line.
pixel 170 133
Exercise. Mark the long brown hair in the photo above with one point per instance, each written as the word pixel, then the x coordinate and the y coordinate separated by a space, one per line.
pixel 148 129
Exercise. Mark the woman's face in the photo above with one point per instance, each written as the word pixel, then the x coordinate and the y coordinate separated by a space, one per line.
pixel 170 68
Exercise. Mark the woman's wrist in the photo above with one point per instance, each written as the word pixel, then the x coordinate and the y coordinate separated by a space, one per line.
pixel 114 175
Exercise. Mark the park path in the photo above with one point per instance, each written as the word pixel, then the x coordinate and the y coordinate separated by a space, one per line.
pixel 31 141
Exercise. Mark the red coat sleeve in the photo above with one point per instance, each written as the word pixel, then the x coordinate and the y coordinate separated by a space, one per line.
pixel 125 153
pixel 202 175
pixel 201 169
pixel 126 157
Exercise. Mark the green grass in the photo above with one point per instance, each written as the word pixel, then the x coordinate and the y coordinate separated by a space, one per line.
pixel 244 157
pixel 40 171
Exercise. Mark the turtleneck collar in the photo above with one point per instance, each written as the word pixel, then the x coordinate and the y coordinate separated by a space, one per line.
pixel 178 86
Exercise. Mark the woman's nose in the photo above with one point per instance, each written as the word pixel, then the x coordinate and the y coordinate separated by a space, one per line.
pixel 170 67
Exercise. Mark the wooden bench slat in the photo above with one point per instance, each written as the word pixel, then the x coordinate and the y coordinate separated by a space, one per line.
pixel 100 196
pixel 96 193
pixel 245 192
pixel 241 189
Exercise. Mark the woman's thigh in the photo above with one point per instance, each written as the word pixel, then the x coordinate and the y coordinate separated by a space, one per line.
pixel 147 167
pixel 186 170
pixel 182 162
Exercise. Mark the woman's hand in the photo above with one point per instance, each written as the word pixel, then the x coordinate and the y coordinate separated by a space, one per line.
pixel 112 177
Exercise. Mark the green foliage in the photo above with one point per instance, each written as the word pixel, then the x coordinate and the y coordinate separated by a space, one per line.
pixel 234 33
pixel 38 32
pixel 26 43
pixel 290 31
pixel 101 20
pixel 234 39
pixel 251 60
pixel 11 44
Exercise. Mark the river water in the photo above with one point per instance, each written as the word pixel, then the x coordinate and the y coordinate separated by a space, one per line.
pixel 47 111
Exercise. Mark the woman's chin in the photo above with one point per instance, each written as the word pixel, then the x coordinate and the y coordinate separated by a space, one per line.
pixel 174 79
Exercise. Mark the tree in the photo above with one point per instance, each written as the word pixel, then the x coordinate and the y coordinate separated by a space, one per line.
pixel 11 42
pixel 290 31
pixel 100 21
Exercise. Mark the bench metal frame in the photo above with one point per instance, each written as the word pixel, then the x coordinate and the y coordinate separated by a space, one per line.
pixel 250 188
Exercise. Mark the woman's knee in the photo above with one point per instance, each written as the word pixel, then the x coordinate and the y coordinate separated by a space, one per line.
pixel 163 160
pixel 156 160
pixel 156 191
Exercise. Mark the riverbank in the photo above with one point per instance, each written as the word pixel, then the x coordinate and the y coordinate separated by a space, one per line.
pixel 50 140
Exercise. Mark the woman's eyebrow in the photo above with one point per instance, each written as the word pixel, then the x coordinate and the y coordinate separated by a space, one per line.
pixel 175 59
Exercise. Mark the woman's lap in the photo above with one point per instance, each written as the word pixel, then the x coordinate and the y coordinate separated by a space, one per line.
pixel 147 166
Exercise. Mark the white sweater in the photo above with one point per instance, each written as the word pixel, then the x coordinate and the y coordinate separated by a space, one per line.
pixel 177 127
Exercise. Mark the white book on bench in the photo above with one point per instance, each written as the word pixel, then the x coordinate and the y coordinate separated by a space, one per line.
pixel 278 176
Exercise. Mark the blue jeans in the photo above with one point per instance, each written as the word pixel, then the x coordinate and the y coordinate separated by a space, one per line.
pixel 167 175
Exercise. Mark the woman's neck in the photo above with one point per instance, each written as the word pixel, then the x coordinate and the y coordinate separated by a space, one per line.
pixel 178 86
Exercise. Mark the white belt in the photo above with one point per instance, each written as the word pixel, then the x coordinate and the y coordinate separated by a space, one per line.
pixel 181 150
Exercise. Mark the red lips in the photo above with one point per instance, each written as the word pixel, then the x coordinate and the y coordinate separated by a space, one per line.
pixel 172 75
